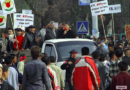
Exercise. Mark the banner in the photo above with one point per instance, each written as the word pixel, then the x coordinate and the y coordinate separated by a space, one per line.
pixel 23 19
pixel 27 11
pixel 8 6
pixel 115 8
pixel 3 19
pixel 127 29
pixel 99 8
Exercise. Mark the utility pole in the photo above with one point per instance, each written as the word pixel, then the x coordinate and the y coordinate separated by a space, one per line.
pixel 95 20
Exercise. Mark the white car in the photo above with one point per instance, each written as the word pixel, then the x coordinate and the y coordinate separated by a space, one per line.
pixel 60 48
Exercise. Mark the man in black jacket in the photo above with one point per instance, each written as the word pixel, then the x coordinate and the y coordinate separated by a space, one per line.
pixel 29 38
pixel 51 33
pixel 100 68
pixel 68 65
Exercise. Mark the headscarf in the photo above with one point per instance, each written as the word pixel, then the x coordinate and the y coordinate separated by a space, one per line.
pixel 22 57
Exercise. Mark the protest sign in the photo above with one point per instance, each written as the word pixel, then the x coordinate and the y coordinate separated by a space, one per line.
pixel 8 6
pixel 27 11
pixel 99 8
pixel 3 19
pixel 23 19
pixel 127 29
pixel 95 33
pixel 115 8
pixel 56 24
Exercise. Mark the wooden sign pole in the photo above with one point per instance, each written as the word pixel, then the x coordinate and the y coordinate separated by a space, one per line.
pixel 103 28
pixel 113 28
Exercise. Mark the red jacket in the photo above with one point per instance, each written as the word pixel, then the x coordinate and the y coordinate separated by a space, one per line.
pixel 20 43
pixel 85 74
pixel 122 79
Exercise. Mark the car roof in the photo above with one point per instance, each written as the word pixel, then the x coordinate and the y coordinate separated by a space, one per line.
pixel 66 40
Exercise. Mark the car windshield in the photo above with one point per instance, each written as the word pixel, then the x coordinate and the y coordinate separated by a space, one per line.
pixel 65 47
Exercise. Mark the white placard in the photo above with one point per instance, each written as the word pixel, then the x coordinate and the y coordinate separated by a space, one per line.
pixel 99 8
pixel 95 33
pixel 23 19
pixel 8 6
pixel 3 19
pixel 56 24
pixel 115 8
pixel 27 11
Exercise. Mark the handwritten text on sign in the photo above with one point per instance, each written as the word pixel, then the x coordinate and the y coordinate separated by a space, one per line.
pixel 115 8
pixel 99 8
pixel 23 19
pixel 127 29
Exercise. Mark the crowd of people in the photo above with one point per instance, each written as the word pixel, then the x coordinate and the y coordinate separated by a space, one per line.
pixel 104 69
pixel 25 38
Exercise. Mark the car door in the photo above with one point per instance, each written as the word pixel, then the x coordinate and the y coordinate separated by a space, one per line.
pixel 50 50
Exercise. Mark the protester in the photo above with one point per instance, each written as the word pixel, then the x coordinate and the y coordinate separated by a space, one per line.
pixel 43 33
pixel 103 49
pixel 52 74
pixel 29 38
pixel 38 41
pixel 35 73
pixel 101 69
pixel 98 41
pixel 5 40
pixel 4 73
pixel 14 65
pixel 113 69
pixel 66 33
pixel 68 65
pixel 124 40
pixel 52 32
pixel 106 66
pixel 13 75
pixel 119 55
pixel 20 65
pixel 110 48
pixel 126 58
pixel 117 38
pixel 10 31
pixel 85 73
pixel 58 72
pixel 111 41
pixel 122 79
pixel 10 47
pixel 18 42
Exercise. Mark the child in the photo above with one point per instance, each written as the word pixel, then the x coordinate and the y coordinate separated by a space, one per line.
pixel 18 42
pixel 20 65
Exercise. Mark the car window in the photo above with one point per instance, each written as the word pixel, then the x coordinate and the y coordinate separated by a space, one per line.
pixel 65 47
pixel 49 50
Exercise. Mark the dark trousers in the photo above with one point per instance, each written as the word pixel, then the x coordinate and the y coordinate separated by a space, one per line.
pixel 108 88
pixel 70 86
